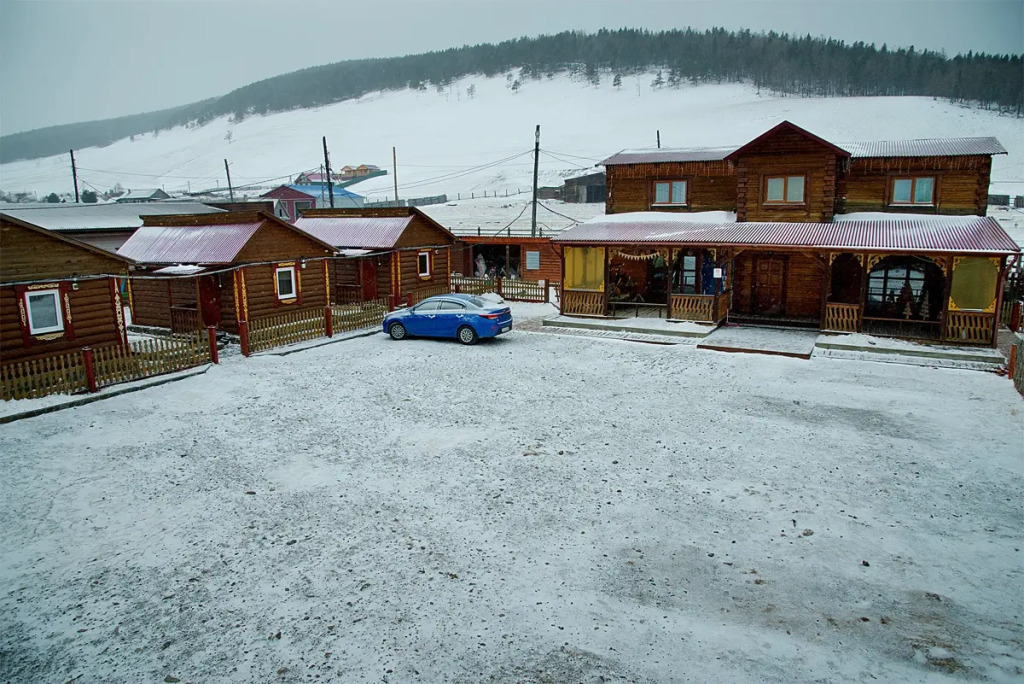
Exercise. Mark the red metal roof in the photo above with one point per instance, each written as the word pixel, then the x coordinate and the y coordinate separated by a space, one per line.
pixel 934 147
pixel 188 244
pixel 366 232
pixel 981 234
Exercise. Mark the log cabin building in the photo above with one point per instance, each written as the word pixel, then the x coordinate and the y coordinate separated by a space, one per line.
pixel 393 252
pixel 215 270
pixel 56 294
pixel 888 238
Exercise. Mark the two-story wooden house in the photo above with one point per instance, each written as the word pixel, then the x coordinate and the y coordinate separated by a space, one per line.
pixel 884 237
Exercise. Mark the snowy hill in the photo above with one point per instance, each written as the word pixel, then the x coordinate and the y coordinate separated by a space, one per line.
pixel 448 142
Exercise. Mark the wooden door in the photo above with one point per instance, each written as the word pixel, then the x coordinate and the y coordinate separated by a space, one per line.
pixel 368 277
pixel 769 282
pixel 209 300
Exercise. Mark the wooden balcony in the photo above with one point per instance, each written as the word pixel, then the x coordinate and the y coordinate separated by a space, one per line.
pixel 843 318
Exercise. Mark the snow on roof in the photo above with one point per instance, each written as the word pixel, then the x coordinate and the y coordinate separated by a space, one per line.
pixel 355 252
pixel 61 217
pixel 979 234
pixel 180 269
pixel 667 217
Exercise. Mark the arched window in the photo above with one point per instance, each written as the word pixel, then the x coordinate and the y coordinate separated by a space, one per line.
pixel 905 288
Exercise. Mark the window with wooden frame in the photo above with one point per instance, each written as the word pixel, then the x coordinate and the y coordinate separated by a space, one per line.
pixel 43 311
pixel 423 264
pixel 915 191
pixel 284 283
pixel 670 192
pixel 784 189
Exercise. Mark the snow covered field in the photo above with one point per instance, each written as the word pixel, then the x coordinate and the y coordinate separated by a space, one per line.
pixel 450 143
pixel 537 508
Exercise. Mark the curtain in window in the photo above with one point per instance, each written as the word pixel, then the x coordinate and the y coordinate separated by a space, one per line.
pixel 974 285
pixel 584 268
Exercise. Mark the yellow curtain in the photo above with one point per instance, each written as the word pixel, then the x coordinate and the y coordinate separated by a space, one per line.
pixel 974 285
pixel 584 268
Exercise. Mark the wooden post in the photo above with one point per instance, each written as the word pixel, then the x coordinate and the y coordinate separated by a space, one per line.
pixel 211 333
pixel 243 334
pixel 391 302
pixel 497 286
pixel 329 321
pixel 409 299
pixel 90 369
pixel 1015 316
pixel 1013 362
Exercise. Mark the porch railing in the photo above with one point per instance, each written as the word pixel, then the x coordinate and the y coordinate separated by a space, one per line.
pixel 971 327
pixel 583 303
pixel 699 308
pixel 474 286
pixel 268 332
pixel 841 317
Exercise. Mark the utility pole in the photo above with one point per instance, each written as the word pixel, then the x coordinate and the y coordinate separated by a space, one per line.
pixel 74 174
pixel 659 140
pixel 536 162
pixel 231 192
pixel 330 183
pixel 394 165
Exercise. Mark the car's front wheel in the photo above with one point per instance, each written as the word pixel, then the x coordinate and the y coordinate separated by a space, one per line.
pixel 467 335
pixel 397 331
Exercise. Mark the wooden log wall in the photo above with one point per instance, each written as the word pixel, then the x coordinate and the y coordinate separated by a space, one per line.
pixel 93 320
pixel 711 186
pixel 961 184
pixel 787 153
pixel 803 286
pixel 262 295
pixel 151 304
pixel 409 271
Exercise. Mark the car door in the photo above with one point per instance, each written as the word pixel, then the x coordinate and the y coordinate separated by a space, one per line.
pixel 422 319
pixel 450 316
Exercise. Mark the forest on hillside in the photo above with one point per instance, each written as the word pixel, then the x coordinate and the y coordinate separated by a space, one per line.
pixel 779 62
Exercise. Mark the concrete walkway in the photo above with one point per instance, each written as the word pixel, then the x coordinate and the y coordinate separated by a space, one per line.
pixel 792 342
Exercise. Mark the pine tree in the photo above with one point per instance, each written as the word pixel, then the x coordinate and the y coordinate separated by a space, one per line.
pixel 617 81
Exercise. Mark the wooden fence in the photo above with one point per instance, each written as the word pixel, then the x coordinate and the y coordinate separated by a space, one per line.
pixel 418 295
pixel 840 317
pixel 184 319
pixel 146 358
pixel 88 369
pixel 348 317
pixel 512 289
pixel 694 307
pixel 60 374
pixel 268 332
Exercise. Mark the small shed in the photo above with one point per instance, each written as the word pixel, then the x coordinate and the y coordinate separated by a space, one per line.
pixel 384 252
pixel 56 294
pixel 584 189
pixel 218 269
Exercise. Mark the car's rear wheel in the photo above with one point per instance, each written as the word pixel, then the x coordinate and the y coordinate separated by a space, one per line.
pixel 467 335
pixel 397 331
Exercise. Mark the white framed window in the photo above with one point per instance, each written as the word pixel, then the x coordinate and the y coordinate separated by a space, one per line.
pixel 784 190
pixel 670 192
pixel 301 206
pixel 913 191
pixel 44 315
pixel 284 280
pixel 423 263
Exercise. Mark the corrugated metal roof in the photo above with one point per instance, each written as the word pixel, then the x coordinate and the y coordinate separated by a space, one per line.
pixel 935 147
pixel 188 244
pixel 938 147
pixel 61 217
pixel 365 232
pixel 651 156
pixel 974 234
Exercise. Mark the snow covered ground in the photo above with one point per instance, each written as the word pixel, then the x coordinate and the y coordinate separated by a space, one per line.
pixel 536 508
pixel 450 143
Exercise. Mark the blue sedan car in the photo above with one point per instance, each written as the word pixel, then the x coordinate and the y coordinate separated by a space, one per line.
pixel 464 317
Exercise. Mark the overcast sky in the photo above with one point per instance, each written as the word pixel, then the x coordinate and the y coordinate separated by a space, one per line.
pixel 76 60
